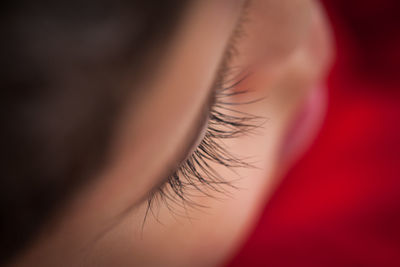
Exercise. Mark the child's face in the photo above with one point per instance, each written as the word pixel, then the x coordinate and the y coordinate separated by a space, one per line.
pixel 283 52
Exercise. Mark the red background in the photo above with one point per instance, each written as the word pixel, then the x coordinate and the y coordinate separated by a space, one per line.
pixel 340 204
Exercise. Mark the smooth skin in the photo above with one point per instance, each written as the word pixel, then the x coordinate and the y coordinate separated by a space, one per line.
pixel 286 46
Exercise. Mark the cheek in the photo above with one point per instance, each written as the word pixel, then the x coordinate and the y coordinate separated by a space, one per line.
pixel 273 29
pixel 287 45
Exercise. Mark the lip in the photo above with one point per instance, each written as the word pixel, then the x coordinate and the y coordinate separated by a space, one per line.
pixel 304 125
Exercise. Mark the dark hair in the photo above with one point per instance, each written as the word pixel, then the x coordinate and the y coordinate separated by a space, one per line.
pixel 62 63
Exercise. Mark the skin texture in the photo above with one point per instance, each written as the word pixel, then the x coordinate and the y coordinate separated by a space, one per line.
pixel 286 47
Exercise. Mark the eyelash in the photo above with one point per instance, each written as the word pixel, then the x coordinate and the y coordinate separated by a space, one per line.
pixel 224 122
pixel 197 172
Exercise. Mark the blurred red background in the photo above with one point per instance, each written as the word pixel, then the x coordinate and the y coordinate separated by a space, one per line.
pixel 340 204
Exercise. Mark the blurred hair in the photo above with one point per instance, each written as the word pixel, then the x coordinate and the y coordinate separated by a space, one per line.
pixel 62 65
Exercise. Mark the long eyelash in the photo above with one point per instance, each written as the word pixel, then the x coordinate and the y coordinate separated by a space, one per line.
pixel 196 173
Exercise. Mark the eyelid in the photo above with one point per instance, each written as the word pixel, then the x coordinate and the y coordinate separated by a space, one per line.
pixel 204 131
pixel 229 54
pixel 199 139
pixel 200 129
